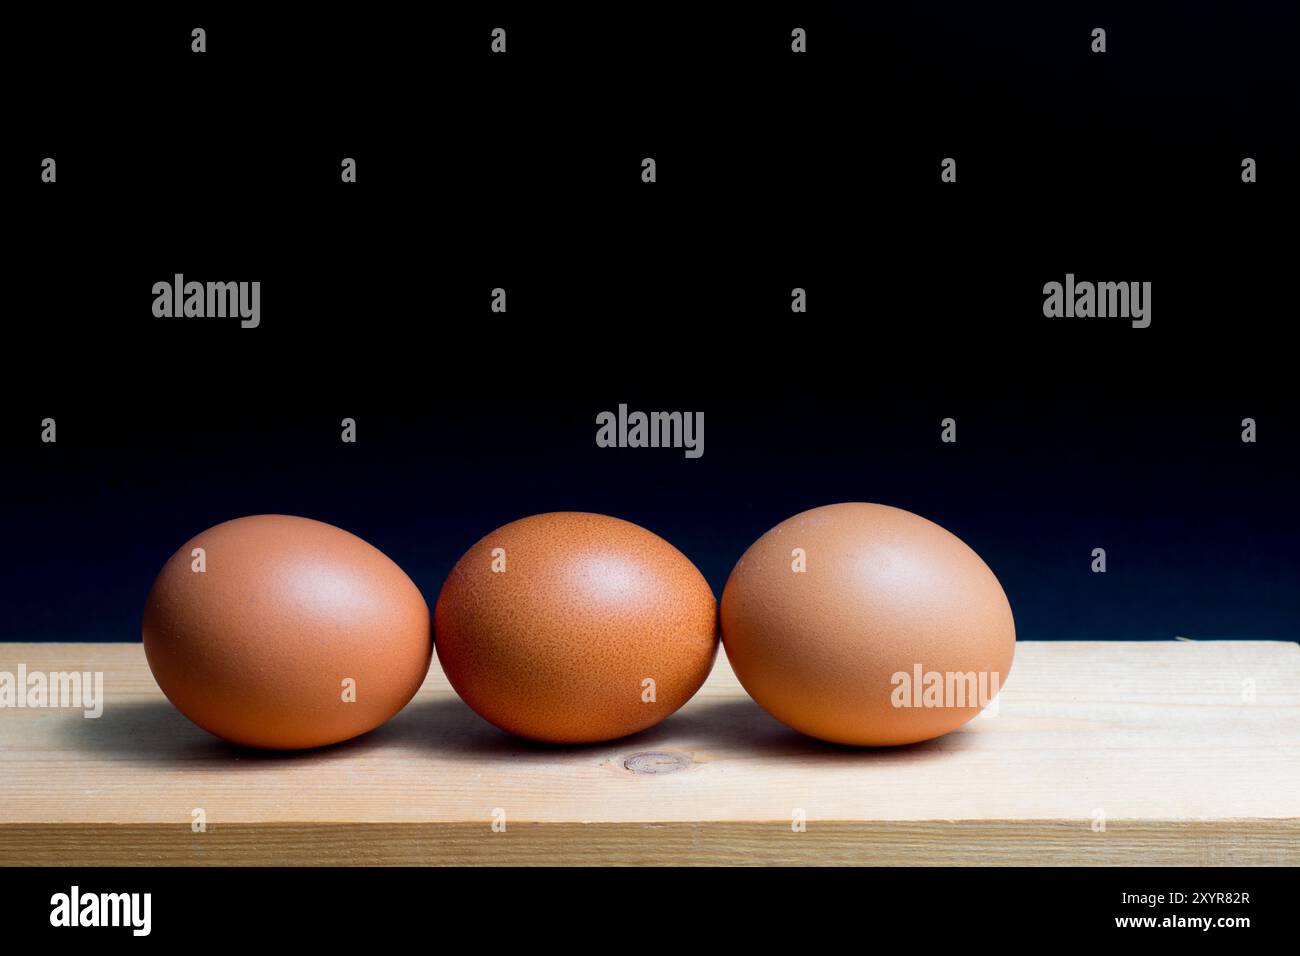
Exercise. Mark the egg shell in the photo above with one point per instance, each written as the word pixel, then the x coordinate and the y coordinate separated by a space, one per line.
pixel 884 591
pixel 256 647
pixel 557 645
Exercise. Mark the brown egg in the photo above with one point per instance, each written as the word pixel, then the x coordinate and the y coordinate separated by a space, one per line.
pixel 894 631
pixel 295 633
pixel 572 627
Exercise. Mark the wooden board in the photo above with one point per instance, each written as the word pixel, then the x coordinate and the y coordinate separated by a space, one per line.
pixel 1188 751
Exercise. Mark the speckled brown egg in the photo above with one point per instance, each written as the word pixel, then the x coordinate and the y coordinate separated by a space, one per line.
pixel 865 624
pixel 572 627
pixel 282 632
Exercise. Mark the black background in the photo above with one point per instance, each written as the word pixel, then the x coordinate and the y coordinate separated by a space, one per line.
pixel 774 171
pixel 739 909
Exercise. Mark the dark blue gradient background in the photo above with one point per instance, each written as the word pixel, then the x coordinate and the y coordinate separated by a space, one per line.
pixel 775 171
pixel 1200 529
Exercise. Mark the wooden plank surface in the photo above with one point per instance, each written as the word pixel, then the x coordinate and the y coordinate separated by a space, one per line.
pixel 1189 752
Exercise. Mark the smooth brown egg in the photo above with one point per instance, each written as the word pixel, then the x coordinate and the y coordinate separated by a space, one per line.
pixel 865 624
pixel 572 627
pixel 294 634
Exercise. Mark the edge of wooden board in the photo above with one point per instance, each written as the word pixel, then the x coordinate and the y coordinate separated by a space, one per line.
pixel 1247 842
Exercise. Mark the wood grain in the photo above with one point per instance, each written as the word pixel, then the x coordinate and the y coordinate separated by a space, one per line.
pixel 1162 740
